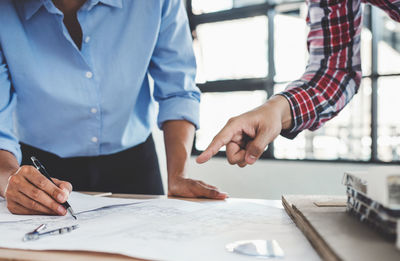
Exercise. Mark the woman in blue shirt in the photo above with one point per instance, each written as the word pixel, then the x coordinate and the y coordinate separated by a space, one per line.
pixel 75 93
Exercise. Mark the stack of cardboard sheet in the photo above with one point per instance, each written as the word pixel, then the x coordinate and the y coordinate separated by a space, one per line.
pixel 373 197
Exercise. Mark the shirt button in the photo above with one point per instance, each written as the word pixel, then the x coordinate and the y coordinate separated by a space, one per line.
pixel 87 39
pixel 93 110
pixel 89 75
pixel 95 139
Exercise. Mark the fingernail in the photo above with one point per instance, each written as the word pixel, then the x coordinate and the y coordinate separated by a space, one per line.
pixel 61 210
pixel 66 191
pixel 60 197
pixel 251 159
pixel 223 195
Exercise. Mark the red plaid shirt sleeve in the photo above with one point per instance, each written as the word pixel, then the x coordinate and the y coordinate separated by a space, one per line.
pixel 333 73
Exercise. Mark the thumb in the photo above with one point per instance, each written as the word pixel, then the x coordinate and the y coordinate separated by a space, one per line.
pixel 257 146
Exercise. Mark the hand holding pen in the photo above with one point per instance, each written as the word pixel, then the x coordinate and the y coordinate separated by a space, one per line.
pixel 30 192
pixel 43 171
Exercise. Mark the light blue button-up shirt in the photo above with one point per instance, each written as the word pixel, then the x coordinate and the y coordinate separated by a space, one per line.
pixel 96 100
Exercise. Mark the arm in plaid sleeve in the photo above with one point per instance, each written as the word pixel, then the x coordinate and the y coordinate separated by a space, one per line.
pixel 333 72
pixel 332 78
pixel 391 7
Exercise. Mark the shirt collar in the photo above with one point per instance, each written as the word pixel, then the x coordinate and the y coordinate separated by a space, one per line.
pixel 29 8
pixel 113 3
pixel 32 7
pixel 91 3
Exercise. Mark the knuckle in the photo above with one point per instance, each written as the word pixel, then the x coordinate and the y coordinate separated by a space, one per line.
pixel 193 182
pixel 231 160
pixel 66 185
pixel 35 193
pixel 42 182
pixel 30 168
pixel 26 169
pixel 232 120
pixel 13 180
pixel 23 170
pixel 54 193
pixel 33 205
pixel 213 193
pixel 235 118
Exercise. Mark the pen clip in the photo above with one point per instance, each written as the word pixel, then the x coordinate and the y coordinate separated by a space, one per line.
pixel 35 233
pixel 36 162
pixel 39 228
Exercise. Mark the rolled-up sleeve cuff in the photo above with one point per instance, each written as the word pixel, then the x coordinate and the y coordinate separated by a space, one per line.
pixel 179 108
pixel 14 148
pixel 296 118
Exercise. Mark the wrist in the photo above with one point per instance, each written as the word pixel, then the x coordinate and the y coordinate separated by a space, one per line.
pixel 283 108
pixel 174 184
pixel 8 167
pixel 173 179
pixel 4 178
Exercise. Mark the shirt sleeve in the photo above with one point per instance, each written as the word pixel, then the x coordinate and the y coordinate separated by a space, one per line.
pixel 173 67
pixel 333 73
pixel 8 140
pixel 391 7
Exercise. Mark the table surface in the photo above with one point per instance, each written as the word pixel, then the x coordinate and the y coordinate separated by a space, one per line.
pixel 31 255
pixel 334 233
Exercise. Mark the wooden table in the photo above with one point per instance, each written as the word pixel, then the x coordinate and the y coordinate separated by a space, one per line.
pixel 334 233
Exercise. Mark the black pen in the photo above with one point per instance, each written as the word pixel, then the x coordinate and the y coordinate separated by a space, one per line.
pixel 42 170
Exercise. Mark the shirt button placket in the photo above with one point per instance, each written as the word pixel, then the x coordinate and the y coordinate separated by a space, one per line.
pixel 93 110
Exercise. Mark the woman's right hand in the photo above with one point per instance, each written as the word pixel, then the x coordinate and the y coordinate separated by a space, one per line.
pixel 28 192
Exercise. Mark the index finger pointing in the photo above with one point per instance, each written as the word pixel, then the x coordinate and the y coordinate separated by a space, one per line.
pixel 220 140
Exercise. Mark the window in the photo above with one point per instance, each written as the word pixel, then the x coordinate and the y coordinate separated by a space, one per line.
pixel 239 45
pixel 234 49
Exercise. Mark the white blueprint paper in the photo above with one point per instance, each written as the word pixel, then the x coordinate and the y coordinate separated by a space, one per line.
pixel 79 202
pixel 168 229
